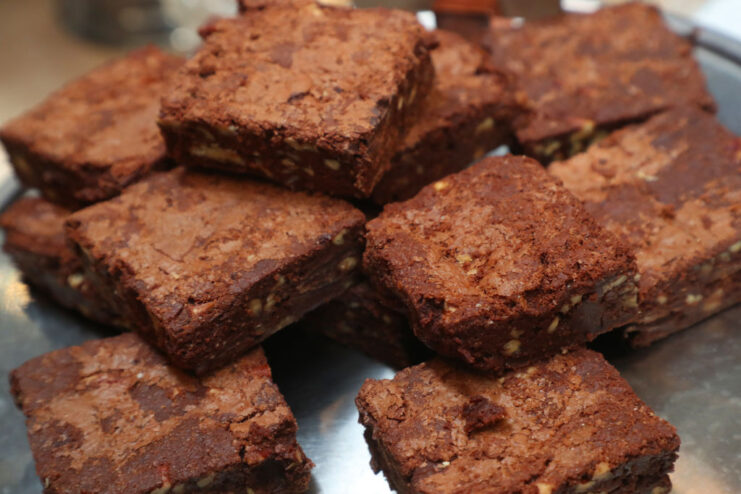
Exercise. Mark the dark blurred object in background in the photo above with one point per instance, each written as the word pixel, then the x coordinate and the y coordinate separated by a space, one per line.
pixel 115 21
pixel 134 22
pixel 470 18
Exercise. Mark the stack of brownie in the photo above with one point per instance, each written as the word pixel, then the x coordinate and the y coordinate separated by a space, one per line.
pixel 206 204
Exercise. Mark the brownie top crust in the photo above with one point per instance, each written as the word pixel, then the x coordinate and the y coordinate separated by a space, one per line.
pixel 106 120
pixel 580 70
pixel 498 239
pixel 190 243
pixel 35 225
pixel 568 421
pixel 112 416
pixel 319 74
pixel 671 187
pixel 465 78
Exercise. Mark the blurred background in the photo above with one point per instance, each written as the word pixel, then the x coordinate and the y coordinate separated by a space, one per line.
pixel 47 42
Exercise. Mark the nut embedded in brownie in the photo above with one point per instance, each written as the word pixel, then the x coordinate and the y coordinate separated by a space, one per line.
pixel 35 240
pixel 469 112
pixel 672 188
pixel 206 266
pixel 570 424
pixel 499 265
pixel 112 416
pixel 96 135
pixel 587 74
pixel 308 96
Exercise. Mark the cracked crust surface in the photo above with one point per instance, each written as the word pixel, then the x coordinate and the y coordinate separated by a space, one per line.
pixel 500 265
pixel 97 134
pixel 672 188
pixel 264 96
pixel 566 425
pixel 112 416
pixel 585 72
pixel 205 266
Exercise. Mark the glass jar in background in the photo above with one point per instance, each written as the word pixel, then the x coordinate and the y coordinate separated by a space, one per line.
pixel 134 22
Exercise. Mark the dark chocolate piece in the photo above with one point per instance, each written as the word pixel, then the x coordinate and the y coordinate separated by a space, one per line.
pixel 672 188
pixel 570 424
pixel 499 265
pixel 112 416
pixel 206 266
pixel 308 96
pixel 96 135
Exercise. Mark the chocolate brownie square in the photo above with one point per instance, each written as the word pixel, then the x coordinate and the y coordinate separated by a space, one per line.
pixel 570 424
pixel 35 240
pixel 206 266
pixel 360 320
pixel 469 112
pixel 97 134
pixel 590 73
pixel 308 96
pixel 671 187
pixel 499 265
pixel 112 416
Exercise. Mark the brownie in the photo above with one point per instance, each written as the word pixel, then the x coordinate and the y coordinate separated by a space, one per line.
pixel 590 73
pixel 468 112
pixel 569 424
pixel 499 265
pixel 96 135
pixel 308 96
pixel 359 320
pixel 35 240
pixel 671 187
pixel 112 416
pixel 206 266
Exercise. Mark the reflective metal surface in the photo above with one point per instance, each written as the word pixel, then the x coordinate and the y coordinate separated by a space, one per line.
pixel 693 378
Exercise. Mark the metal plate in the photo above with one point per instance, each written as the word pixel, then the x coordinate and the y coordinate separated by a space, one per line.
pixel 693 378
